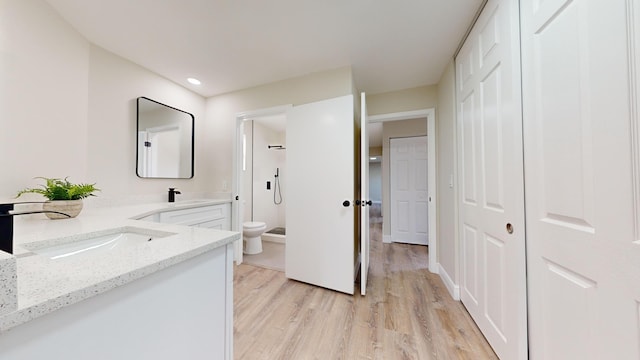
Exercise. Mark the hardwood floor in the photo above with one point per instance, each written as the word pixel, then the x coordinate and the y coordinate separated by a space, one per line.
pixel 406 314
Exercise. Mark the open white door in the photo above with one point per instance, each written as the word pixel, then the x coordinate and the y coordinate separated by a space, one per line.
pixel 321 184
pixel 364 190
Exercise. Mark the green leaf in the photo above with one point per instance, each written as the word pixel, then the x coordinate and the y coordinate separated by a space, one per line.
pixel 62 189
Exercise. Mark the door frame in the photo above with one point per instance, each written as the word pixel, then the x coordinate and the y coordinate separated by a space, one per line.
pixel 237 178
pixel 430 114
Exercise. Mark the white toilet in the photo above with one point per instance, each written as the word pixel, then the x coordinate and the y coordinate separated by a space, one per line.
pixel 251 235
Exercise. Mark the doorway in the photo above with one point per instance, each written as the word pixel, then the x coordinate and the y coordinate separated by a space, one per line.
pixel 243 209
pixel 427 115
pixel 264 185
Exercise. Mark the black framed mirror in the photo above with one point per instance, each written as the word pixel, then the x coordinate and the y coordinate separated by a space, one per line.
pixel 165 141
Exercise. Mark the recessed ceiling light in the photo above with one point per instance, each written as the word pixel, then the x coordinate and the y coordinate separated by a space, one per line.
pixel 194 81
pixel 373 158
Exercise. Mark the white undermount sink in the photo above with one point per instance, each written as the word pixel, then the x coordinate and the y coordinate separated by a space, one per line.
pixel 95 243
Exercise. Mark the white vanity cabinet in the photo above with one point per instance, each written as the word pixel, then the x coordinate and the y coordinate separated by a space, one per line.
pixel 217 216
pixel 209 216
pixel 184 311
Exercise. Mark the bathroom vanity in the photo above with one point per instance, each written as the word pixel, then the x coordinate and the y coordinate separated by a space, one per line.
pixel 81 291
pixel 196 213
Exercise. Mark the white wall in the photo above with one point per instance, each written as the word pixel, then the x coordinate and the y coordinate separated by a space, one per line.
pixel 419 98
pixel 375 181
pixel 43 97
pixel 445 125
pixel 67 108
pixel 114 85
pixel 222 110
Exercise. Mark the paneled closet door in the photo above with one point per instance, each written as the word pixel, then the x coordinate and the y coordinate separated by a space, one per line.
pixel 491 208
pixel 580 91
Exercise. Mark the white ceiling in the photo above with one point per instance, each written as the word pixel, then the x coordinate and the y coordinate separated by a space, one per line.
pixel 235 44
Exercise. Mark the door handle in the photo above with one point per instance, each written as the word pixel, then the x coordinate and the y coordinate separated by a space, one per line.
pixel 357 202
pixel 369 202
pixel 346 203
pixel 509 228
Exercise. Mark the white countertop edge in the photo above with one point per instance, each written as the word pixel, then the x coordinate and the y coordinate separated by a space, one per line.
pixel 180 205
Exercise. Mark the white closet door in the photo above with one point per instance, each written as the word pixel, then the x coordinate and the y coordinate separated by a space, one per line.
pixel 580 85
pixel 320 179
pixel 491 208
pixel 409 193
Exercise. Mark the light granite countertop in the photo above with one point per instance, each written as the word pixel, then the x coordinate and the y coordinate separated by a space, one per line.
pixel 45 285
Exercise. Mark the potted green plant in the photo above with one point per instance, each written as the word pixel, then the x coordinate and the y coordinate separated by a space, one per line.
pixel 63 196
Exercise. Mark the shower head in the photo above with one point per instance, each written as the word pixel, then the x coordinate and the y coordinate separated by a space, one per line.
pixel 277 147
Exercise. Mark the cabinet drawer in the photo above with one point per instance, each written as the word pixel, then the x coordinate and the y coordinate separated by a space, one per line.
pixel 195 216
pixel 220 224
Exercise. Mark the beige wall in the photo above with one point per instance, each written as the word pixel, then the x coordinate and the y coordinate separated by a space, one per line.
pixel 44 73
pixel 79 100
pixel 222 110
pixel 445 127
pixel 423 97
pixel 68 107
pixel 114 85
pixel 393 129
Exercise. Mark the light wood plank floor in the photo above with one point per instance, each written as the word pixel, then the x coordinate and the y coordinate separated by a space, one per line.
pixel 406 314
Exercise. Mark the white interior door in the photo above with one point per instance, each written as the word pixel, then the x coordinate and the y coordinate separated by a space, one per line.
pixel 320 165
pixel 491 207
pixel 582 141
pixel 366 199
pixel 409 193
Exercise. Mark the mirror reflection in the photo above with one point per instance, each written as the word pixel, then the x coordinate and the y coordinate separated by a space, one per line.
pixel 165 141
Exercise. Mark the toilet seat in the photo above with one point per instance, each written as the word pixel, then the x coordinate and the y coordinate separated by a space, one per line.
pixel 253 224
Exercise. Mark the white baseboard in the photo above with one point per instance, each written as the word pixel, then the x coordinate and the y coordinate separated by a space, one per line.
pixel 454 289
pixel 435 268
pixel 386 239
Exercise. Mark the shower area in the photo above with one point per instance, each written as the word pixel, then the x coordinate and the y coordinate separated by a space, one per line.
pixel 264 182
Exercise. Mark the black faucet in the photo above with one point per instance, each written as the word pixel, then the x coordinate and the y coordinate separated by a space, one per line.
pixel 172 194
pixel 6 223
